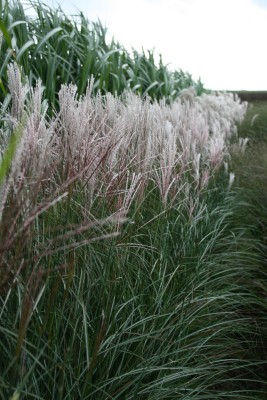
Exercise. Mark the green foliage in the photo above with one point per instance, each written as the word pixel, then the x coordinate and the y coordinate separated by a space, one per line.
pixel 171 308
pixel 6 159
pixel 168 310
pixel 57 49
pixel 254 125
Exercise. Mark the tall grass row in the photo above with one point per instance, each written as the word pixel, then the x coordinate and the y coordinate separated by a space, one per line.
pixel 123 271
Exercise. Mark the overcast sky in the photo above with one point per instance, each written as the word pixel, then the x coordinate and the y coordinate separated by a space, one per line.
pixel 221 41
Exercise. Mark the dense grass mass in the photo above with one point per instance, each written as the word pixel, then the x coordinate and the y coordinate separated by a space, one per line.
pixel 132 263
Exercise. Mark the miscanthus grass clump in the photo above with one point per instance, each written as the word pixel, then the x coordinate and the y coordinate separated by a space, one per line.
pixel 123 275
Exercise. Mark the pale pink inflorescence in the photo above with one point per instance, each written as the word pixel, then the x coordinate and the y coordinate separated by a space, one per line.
pixel 117 147
pixel 98 156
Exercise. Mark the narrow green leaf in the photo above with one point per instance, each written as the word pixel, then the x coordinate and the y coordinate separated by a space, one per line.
pixel 5 33
pixel 24 48
pixel 15 396
pixel 109 53
pixel 46 38
pixel 16 23
pixel 151 87
pixel 8 56
pixel 2 87
pixel 7 158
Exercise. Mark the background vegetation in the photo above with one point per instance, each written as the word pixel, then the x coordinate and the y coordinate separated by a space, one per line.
pixel 58 49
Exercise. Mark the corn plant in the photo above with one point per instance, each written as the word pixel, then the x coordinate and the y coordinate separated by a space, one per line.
pixel 58 49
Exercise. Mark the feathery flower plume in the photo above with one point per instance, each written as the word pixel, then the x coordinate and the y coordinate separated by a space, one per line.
pixel 18 91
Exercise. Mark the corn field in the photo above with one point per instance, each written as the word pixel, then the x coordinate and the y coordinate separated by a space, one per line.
pixel 56 49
